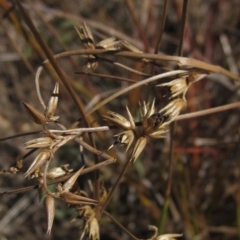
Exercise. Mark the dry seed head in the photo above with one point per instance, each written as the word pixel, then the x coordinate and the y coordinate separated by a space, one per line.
pixel 87 39
pixel 159 133
pixel 14 169
pixel 86 36
pixel 125 138
pixel 149 122
pixel 37 173
pixel 121 121
pixel 138 148
pixel 86 213
pixel 172 110
pixel 52 104
pixel 103 194
pixel 59 171
pixel 177 87
pixel 49 206
pixel 110 44
pixel 92 64
pixel 152 121
pixel 147 110
pixel 75 199
pixel 94 230
pixel 41 158
pixel 39 143
pixel 36 116
pixel 70 182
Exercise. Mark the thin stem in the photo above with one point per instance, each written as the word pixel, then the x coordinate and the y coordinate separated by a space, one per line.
pixel 163 18
pixel 120 225
pixel 20 135
pixel 110 194
pixel 39 95
pixel 181 61
pixel 45 181
pixel 157 47
pixel 208 111
pixel 61 179
pixel 81 130
pixel 183 25
pixel 169 182
pixel 107 76
pixel 140 31
pixel 135 85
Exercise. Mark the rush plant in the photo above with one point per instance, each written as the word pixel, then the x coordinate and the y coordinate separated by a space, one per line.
pixel 111 135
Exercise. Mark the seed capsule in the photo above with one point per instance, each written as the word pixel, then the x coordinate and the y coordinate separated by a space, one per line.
pixel 70 182
pixel 52 104
pixel 110 44
pixel 38 143
pixel 49 206
pixel 41 158
pixel 86 36
pixel 58 171
pixel 74 199
pixel 36 116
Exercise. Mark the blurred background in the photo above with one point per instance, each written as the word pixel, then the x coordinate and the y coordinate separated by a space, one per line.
pixel 205 198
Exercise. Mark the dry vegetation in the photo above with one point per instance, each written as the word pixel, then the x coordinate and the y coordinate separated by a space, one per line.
pixel 128 168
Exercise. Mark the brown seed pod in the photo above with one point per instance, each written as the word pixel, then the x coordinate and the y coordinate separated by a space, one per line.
pixel 111 44
pixel 59 171
pixel 74 199
pixel 70 182
pixel 36 116
pixel 86 36
pixel 41 158
pixel 39 143
pixel 52 104
pixel 49 206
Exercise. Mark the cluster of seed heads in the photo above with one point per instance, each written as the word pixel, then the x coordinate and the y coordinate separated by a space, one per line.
pixel 154 124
